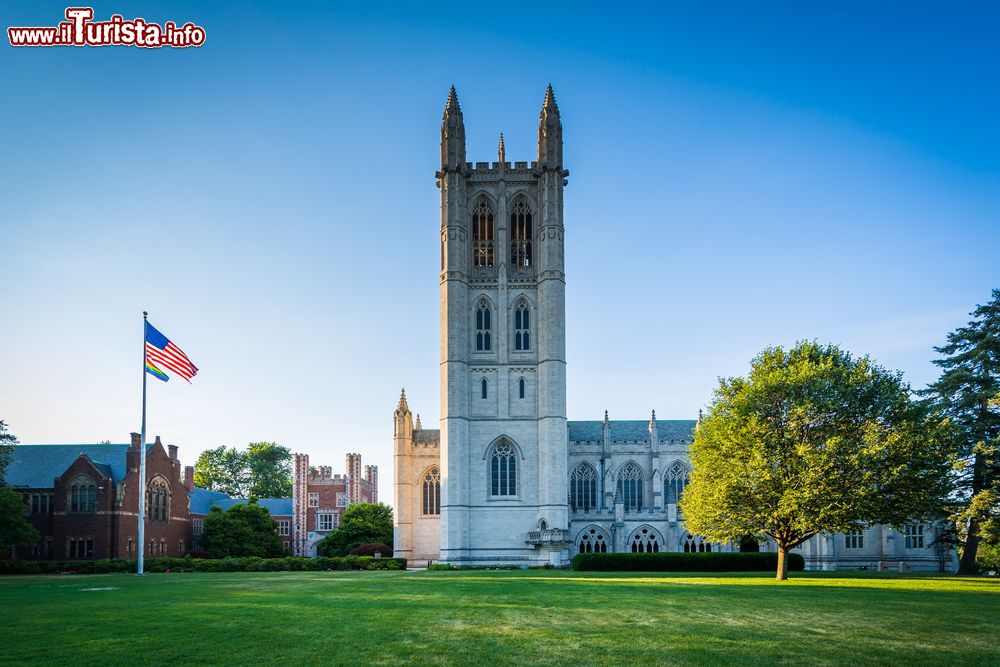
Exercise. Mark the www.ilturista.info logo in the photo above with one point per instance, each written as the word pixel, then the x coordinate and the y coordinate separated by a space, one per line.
pixel 80 30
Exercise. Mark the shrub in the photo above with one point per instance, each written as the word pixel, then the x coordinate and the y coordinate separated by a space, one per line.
pixel 372 548
pixel 361 523
pixel 449 566
pixel 684 562
pixel 188 564
pixel 369 563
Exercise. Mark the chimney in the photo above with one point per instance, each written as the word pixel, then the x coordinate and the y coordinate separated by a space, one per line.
pixel 189 478
pixel 171 451
pixel 135 441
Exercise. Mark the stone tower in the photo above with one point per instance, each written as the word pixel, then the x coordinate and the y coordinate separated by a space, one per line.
pixel 402 435
pixel 503 350
pixel 353 478
pixel 300 487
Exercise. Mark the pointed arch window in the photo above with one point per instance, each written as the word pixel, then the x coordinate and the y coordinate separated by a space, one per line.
pixel 484 327
pixel 696 544
pixel 630 486
pixel 674 482
pixel 520 235
pixel 484 388
pixel 522 340
pixel 158 500
pixel 593 542
pixel 644 541
pixel 432 491
pixel 83 495
pixel 503 470
pixel 482 233
pixel 583 488
pixel 520 388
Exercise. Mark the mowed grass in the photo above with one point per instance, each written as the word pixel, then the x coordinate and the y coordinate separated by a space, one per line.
pixel 498 618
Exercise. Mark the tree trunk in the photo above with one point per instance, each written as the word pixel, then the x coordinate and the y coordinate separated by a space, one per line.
pixel 782 564
pixel 967 564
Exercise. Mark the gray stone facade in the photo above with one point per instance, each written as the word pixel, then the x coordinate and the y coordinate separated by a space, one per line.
pixel 507 479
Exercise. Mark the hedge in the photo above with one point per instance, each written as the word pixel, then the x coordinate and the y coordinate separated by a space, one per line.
pixel 684 562
pixel 248 564
pixel 372 548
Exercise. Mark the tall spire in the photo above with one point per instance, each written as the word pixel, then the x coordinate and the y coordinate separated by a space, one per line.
pixel 452 134
pixel 501 152
pixel 452 104
pixel 549 133
pixel 550 100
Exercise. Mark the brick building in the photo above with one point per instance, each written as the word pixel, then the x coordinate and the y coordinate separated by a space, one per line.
pixel 83 500
pixel 202 500
pixel 319 497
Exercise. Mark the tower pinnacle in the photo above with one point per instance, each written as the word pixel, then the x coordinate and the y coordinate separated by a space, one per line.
pixel 402 407
pixel 418 426
pixel 452 104
pixel 549 133
pixel 452 134
pixel 501 152
pixel 550 101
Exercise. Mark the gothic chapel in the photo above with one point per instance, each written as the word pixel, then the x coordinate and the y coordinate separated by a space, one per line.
pixel 507 479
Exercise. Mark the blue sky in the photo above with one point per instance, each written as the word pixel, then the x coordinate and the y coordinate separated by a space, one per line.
pixel 741 176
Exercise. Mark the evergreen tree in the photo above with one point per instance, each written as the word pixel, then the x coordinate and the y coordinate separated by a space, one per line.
pixel 968 392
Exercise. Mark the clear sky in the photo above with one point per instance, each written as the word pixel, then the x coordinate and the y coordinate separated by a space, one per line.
pixel 741 176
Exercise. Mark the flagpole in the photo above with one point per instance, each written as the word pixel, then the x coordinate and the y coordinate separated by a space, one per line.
pixel 142 452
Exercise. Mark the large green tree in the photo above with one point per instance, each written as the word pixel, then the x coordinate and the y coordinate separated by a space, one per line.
pixel 14 530
pixel 264 470
pixel 813 440
pixel 242 530
pixel 222 469
pixel 270 470
pixel 967 392
pixel 7 443
pixel 359 524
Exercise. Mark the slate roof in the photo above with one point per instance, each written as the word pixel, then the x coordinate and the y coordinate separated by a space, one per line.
pixel 203 499
pixel 37 466
pixel 632 429
pixel 427 435
pixel 623 429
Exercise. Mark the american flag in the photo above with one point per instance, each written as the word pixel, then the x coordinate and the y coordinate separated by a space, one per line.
pixel 162 355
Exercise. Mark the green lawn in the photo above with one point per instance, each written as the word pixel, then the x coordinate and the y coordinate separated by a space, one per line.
pixel 484 618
